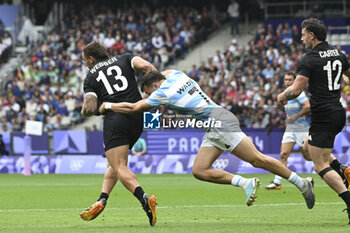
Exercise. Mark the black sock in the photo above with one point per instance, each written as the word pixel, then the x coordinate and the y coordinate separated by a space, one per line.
pixel 336 167
pixel 138 193
pixel 103 195
pixel 346 197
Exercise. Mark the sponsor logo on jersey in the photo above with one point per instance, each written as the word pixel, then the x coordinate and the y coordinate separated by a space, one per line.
pixel 184 87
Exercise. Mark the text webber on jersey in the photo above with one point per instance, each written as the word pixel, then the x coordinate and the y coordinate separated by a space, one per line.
pixel 103 63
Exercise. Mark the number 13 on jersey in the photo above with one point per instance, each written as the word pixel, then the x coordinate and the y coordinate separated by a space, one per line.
pixel 119 76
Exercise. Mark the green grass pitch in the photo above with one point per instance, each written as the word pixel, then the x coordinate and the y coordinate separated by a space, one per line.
pixel 52 203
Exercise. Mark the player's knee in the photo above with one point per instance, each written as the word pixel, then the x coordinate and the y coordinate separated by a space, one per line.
pixel 119 167
pixel 284 155
pixel 198 173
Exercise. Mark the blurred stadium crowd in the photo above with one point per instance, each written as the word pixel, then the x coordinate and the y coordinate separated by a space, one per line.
pixel 5 46
pixel 244 79
pixel 247 79
pixel 47 86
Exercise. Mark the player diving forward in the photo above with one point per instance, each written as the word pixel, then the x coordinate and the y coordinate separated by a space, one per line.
pixel 178 92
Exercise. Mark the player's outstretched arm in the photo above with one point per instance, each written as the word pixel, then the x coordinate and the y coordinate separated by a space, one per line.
pixel 89 107
pixel 293 91
pixel 125 107
pixel 142 66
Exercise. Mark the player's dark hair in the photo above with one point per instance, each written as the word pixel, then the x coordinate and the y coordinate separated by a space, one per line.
pixel 316 26
pixel 96 50
pixel 290 73
pixel 150 78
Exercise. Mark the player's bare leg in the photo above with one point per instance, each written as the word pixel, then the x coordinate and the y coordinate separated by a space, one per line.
pixel 109 181
pixel 320 157
pixel 286 148
pixel 305 154
pixel 343 171
pixel 118 159
pixel 202 171
pixel 248 152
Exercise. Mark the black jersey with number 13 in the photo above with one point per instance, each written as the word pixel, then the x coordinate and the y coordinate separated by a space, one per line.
pixel 324 66
pixel 113 80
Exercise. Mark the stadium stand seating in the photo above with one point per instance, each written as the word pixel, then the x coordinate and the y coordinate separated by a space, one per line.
pixel 47 85
pixel 242 78
pixel 247 79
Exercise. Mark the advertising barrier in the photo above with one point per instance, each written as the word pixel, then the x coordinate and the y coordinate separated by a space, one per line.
pixel 168 151
pixel 145 164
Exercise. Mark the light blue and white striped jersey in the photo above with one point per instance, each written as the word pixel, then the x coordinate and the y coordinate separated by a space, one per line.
pixel 293 107
pixel 183 95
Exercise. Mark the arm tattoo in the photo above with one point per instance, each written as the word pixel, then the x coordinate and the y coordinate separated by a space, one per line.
pixel 291 95
pixel 90 105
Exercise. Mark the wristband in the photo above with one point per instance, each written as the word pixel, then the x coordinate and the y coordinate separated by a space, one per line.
pixel 108 105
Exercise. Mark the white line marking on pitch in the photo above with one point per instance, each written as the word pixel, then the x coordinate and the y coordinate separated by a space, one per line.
pixel 185 206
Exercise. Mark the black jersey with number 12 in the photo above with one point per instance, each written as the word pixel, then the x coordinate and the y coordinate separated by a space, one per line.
pixel 113 80
pixel 324 66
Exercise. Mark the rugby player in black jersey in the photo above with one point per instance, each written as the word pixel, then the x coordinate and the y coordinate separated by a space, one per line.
pixel 112 79
pixel 322 67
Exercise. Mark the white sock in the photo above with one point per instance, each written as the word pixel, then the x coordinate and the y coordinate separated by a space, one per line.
pixel 277 179
pixel 239 181
pixel 296 180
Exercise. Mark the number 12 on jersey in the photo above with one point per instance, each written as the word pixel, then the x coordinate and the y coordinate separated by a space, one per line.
pixel 119 76
pixel 336 65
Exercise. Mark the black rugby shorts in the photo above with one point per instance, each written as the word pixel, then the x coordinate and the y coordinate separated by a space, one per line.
pixel 121 129
pixel 325 127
